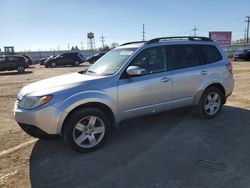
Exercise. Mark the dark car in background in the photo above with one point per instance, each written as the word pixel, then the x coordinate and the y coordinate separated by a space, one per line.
pixel 70 58
pixel 30 60
pixel 42 60
pixel 13 62
pixel 95 57
pixel 245 55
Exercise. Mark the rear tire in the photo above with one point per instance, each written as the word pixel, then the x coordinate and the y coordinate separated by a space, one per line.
pixel 86 130
pixel 210 103
pixel 20 69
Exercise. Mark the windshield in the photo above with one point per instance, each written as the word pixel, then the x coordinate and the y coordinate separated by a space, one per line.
pixel 111 62
pixel 57 56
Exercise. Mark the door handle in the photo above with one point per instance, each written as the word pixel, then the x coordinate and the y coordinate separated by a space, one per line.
pixel 204 72
pixel 165 79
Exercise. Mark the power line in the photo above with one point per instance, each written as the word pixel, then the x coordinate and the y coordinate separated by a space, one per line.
pixel 248 21
pixel 102 41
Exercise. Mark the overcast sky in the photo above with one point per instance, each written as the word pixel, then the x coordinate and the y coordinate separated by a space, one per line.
pixel 53 24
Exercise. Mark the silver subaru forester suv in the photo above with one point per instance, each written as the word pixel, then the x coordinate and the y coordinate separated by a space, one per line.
pixel 134 79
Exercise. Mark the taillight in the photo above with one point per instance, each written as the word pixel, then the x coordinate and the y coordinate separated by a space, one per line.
pixel 230 67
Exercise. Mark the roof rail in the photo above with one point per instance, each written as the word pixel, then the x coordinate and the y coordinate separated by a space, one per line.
pixel 132 43
pixel 179 38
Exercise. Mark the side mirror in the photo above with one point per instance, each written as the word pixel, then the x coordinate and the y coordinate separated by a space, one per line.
pixel 134 71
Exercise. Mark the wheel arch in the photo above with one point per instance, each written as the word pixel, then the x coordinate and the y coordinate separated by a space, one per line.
pixel 98 105
pixel 216 85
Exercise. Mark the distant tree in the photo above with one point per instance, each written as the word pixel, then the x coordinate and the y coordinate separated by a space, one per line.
pixel 106 48
pixel 76 48
pixel 239 41
pixel 72 49
pixel 114 45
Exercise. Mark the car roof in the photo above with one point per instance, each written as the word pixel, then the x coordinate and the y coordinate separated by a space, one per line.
pixel 169 41
pixel 11 56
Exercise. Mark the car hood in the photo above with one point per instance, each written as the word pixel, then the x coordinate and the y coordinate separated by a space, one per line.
pixel 55 84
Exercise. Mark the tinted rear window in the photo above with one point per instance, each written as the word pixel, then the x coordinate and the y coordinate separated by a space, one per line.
pixel 183 56
pixel 12 58
pixel 210 53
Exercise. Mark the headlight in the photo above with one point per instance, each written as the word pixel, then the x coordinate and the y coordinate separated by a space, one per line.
pixel 30 102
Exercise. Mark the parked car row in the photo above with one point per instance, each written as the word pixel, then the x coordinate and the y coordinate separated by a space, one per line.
pixel 21 62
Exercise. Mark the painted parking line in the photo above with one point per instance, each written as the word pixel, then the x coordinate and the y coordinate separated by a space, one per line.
pixel 20 146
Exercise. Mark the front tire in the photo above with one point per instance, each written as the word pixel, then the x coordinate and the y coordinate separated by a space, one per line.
pixel 210 103
pixel 86 130
pixel 53 64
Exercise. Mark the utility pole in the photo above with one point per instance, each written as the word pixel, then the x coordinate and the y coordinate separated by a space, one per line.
pixel 194 30
pixel 102 41
pixel 248 21
pixel 245 36
pixel 81 45
pixel 143 33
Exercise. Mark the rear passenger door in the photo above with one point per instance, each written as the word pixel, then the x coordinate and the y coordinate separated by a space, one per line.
pixel 68 59
pixel 12 62
pixel 61 59
pixel 188 73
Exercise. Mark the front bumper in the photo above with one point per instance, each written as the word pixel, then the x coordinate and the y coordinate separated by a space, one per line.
pixel 36 132
pixel 45 118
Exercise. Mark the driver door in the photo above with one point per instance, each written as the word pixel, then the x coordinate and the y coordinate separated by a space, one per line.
pixel 150 92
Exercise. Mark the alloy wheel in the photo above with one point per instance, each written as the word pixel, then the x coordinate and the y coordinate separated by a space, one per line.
pixel 20 69
pixel 53 64
pixel 212 103
pixel 88 132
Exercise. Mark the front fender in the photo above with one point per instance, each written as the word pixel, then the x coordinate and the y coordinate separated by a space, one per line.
pixel 78 99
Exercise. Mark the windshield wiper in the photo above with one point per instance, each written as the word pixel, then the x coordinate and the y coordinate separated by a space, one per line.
pixel 83 71
pixel 93 72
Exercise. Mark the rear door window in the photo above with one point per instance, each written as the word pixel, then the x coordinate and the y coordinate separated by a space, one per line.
pixel 12 58
pixel 183 56
pixel 210 53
